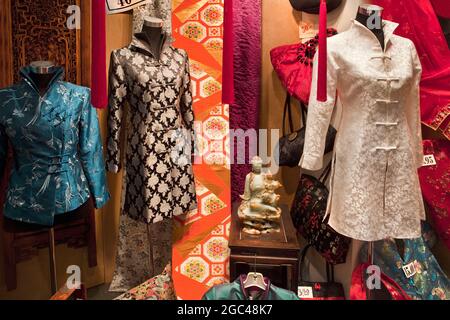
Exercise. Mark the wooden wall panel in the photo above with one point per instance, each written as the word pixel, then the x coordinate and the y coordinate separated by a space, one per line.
pixel 5 44
pixel 40 32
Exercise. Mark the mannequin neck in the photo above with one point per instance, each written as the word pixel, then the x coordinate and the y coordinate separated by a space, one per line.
pixel 378 32
pixel 42 81
pixel 154 37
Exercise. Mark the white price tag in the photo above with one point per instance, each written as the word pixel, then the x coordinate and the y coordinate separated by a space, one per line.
pixel 429 160
pixel 117 6
pixel 409 269
pixel 305 292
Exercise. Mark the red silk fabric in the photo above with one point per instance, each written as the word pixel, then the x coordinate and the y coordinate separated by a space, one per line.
pixel 442 8
pixel 358 289
pixel 435 184
pixel 99 97
pixel 418 22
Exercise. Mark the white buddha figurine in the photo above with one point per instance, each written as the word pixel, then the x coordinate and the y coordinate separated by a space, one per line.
pixel 259 211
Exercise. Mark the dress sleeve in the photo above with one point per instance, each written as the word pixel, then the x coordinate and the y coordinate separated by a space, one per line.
pixel 413 109
pixel 319 118
pixel 186 103
pixel 91 154
pixel 118 92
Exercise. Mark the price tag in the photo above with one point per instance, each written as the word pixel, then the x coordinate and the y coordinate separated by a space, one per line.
pixel 117 6
pixel 305 292
pixel 409 269
pixel 429 160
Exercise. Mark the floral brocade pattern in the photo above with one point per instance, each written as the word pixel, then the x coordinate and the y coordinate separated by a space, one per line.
pixel 159 174
pixel 308 212
pixel 429 281
pixel 160 287
pixel 58 153
pixel 375 192
pixel 143 251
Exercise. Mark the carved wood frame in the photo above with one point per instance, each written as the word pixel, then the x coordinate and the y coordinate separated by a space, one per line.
pixel 83 47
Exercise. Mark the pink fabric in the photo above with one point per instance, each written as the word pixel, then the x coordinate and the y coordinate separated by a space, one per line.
pixel 244 114
pixel 99 95
pixel 322 72
pixel 418 22
pixel 228 65
pixel 435 184
pixel 358 289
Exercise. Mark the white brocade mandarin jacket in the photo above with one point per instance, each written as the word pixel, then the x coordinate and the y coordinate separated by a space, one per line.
pixel 375 192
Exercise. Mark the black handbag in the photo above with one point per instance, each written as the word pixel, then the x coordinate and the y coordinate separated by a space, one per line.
pixel 308 213
pixel 310 290
pixel 291 144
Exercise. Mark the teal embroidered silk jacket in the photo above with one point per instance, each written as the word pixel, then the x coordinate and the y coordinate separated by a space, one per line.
pixel 237 291
pixel 58 154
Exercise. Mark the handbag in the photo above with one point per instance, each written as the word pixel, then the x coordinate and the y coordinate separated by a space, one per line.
pixel 291 144
pixel 308 215
pixel 390 290
pixel 329 290
pixel 293 64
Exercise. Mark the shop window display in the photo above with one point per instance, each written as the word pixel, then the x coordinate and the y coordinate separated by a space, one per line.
pixel 177 217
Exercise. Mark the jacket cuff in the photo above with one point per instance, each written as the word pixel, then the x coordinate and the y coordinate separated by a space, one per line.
pixel 102 200
pixel 311 163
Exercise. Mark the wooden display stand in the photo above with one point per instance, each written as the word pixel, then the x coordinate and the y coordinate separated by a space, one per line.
pixel 274 255
pixel 22 241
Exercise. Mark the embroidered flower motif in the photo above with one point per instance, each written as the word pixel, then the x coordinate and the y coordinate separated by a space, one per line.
pixel 138 60
pixel 147 97
pixel 155 201
pixel 153 181
pixel 121 92
pixel 143 78
pixel 170 93
pixel 120 73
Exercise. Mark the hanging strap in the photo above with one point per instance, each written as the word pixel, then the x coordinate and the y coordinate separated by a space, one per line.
pixel 288 111
pixel 326 173
pixel 329 267
pixel 330 272
pixel 304 113
pixel 302 260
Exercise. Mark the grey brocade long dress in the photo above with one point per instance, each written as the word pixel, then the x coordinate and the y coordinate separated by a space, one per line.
pixel 155 187
pixel 159 185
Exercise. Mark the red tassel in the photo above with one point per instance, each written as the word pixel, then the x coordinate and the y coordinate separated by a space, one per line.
pixel 99 96
pixel 322 69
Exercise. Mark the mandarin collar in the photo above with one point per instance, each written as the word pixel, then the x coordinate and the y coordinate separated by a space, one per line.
pixel 26 72
pixel 143 47
pixel 389 28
